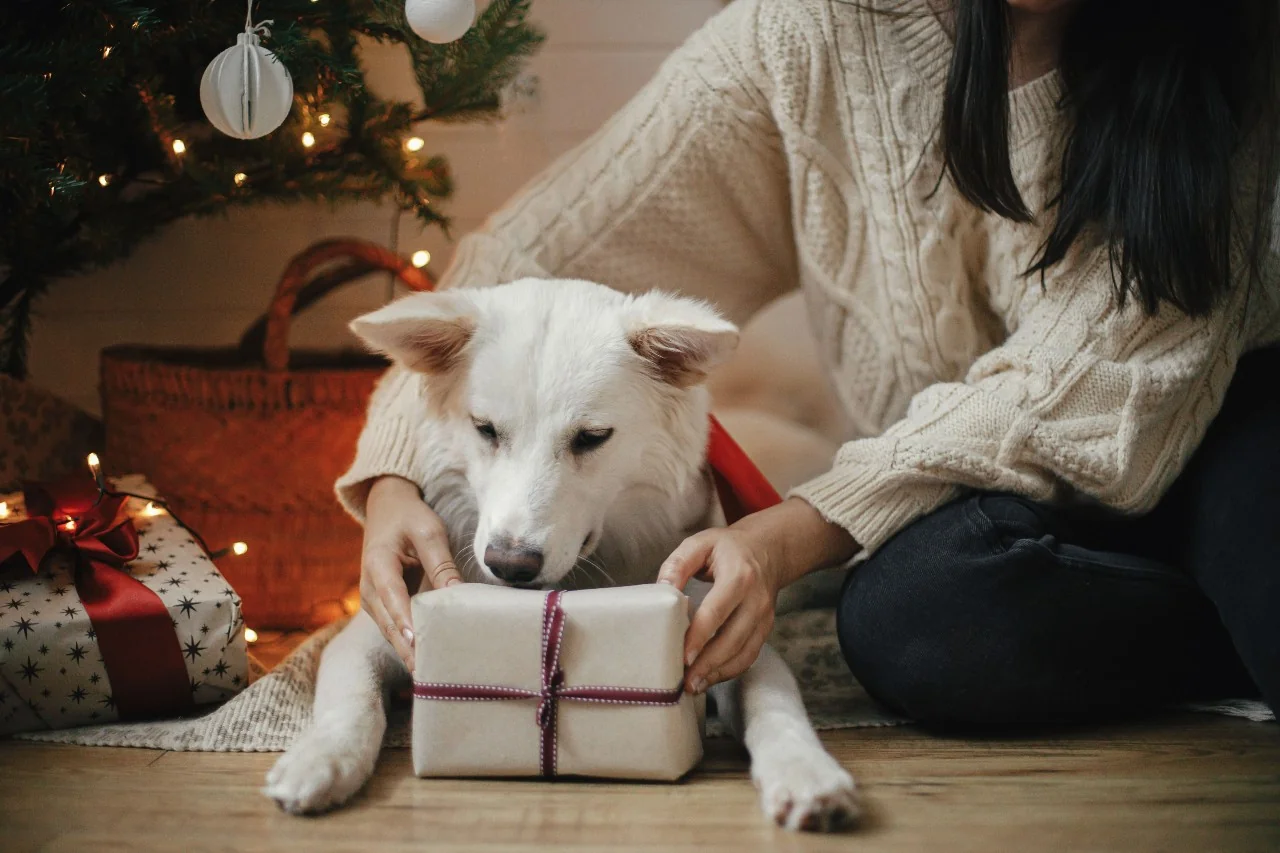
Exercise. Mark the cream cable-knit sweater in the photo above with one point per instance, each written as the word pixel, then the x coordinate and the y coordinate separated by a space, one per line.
pixel 792 143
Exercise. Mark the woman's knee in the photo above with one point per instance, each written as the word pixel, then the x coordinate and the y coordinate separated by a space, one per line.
pixel 927 625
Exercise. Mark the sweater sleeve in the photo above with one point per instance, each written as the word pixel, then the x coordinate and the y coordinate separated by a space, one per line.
pixel 1084 398
pixel 685 190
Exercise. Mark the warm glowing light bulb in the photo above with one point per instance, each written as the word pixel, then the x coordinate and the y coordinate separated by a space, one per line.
pixel 239 549
pixel 324 119
pixel 308 139
pixel 179 147
pixel 250 635
pixel 240 178
pixel 152 510
pixel 414 143
pixel 106 51
pixel 94 464
pixel 4 509
pixel 351 601
pixel 421 258
pixel 103 180
pixel 70 525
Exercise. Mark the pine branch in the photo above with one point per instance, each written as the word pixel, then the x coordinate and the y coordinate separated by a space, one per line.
pixel 95 93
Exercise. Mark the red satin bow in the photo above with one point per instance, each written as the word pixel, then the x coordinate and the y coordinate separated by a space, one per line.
pixel 133 627
pixel 100 531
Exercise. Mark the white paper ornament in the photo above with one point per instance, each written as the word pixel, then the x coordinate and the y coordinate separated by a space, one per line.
pixel 440 21
pixel 246 92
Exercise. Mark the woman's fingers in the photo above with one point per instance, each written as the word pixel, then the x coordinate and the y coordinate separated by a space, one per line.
pixel 725 596
pixel 740 637
pixel 687 560
pixel 432 547
pixel 384 596
pixel 392 632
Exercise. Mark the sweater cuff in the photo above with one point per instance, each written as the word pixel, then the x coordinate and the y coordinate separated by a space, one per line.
pixel 386 447
pixel 872 504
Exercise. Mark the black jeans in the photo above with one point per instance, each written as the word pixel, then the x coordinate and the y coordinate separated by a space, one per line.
pixel 996 609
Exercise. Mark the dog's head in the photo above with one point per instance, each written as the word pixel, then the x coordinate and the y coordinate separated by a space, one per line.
pixel 563 396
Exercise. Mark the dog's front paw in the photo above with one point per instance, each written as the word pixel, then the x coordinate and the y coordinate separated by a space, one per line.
pixel 802 787
pixel 319 772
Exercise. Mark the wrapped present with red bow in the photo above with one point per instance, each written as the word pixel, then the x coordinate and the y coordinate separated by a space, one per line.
pixel 516 682
pixel 110 610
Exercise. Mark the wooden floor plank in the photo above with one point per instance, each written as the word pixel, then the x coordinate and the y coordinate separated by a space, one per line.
pixel 1183 783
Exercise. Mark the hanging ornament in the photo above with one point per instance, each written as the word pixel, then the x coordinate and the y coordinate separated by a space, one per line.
pixel 246 92
pixel 440 21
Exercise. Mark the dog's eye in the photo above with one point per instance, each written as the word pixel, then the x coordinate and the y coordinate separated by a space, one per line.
pixel 486 430
pixel 587 440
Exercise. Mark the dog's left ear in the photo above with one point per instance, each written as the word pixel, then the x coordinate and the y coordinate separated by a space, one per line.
pixel 427 332
pixel 681 340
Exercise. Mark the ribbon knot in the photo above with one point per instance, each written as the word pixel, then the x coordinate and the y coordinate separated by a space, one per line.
pixel 547 700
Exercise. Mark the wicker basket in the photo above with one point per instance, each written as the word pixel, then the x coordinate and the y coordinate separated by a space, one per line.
pixel 246 442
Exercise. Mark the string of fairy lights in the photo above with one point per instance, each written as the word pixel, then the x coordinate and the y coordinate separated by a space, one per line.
pixel 413 144
pixel 240 180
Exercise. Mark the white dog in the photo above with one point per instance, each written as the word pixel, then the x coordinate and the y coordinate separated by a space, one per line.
pixel 564 437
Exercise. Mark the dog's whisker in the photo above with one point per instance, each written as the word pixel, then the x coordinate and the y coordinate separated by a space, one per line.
pixel 600 568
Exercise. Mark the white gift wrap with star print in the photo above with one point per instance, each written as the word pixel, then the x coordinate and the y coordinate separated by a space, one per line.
pixel 51 672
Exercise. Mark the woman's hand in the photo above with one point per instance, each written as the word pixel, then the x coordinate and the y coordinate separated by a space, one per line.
pixel 747 563
pixel 403 540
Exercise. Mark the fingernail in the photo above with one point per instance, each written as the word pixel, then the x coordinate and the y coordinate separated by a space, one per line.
pixel 408 636
pixel 665 580
pixel 454 581
pixel 690 658
pixel 699 685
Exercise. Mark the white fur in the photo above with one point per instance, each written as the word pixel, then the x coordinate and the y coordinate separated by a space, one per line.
pixel 541 360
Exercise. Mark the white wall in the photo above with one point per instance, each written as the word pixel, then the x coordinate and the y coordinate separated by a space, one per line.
pixel 202 282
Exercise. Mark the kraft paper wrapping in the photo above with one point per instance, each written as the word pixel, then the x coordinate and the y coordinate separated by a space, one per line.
pixel 478 634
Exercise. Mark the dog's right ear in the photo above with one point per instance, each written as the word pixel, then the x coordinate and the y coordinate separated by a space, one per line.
pixel 427 332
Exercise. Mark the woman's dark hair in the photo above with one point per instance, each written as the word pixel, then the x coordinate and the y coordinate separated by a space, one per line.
pixel 1169 102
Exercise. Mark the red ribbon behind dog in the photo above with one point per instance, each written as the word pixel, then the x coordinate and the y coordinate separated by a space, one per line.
pixel 741 486
pixel 551 690
pixel 133 628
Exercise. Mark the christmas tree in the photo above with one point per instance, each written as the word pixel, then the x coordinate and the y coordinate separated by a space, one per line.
pixel 103 139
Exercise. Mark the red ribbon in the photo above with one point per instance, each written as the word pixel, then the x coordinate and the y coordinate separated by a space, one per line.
pixel 135 633
pixel 552 689
pixel 741 486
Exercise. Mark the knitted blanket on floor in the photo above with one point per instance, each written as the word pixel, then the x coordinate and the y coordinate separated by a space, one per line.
pixel 276 707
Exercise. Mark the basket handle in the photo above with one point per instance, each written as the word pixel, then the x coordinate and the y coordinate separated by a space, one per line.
pixel 362 257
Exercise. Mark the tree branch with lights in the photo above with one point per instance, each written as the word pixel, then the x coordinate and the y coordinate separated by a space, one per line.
pixel 104 139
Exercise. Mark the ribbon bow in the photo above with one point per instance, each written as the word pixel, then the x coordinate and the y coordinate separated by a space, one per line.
pixel 132 624
pixel 98 530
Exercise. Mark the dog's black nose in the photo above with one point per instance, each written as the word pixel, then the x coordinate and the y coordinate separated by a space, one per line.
pixel 512 563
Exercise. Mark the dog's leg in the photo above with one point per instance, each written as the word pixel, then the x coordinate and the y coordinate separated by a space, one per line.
pixel 329 762
pixel 801 786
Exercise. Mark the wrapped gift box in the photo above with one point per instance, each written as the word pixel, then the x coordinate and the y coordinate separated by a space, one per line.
pixel 512 682
pixel 60 668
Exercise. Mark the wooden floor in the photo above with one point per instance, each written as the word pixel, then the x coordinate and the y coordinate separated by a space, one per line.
pixel 1193 783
